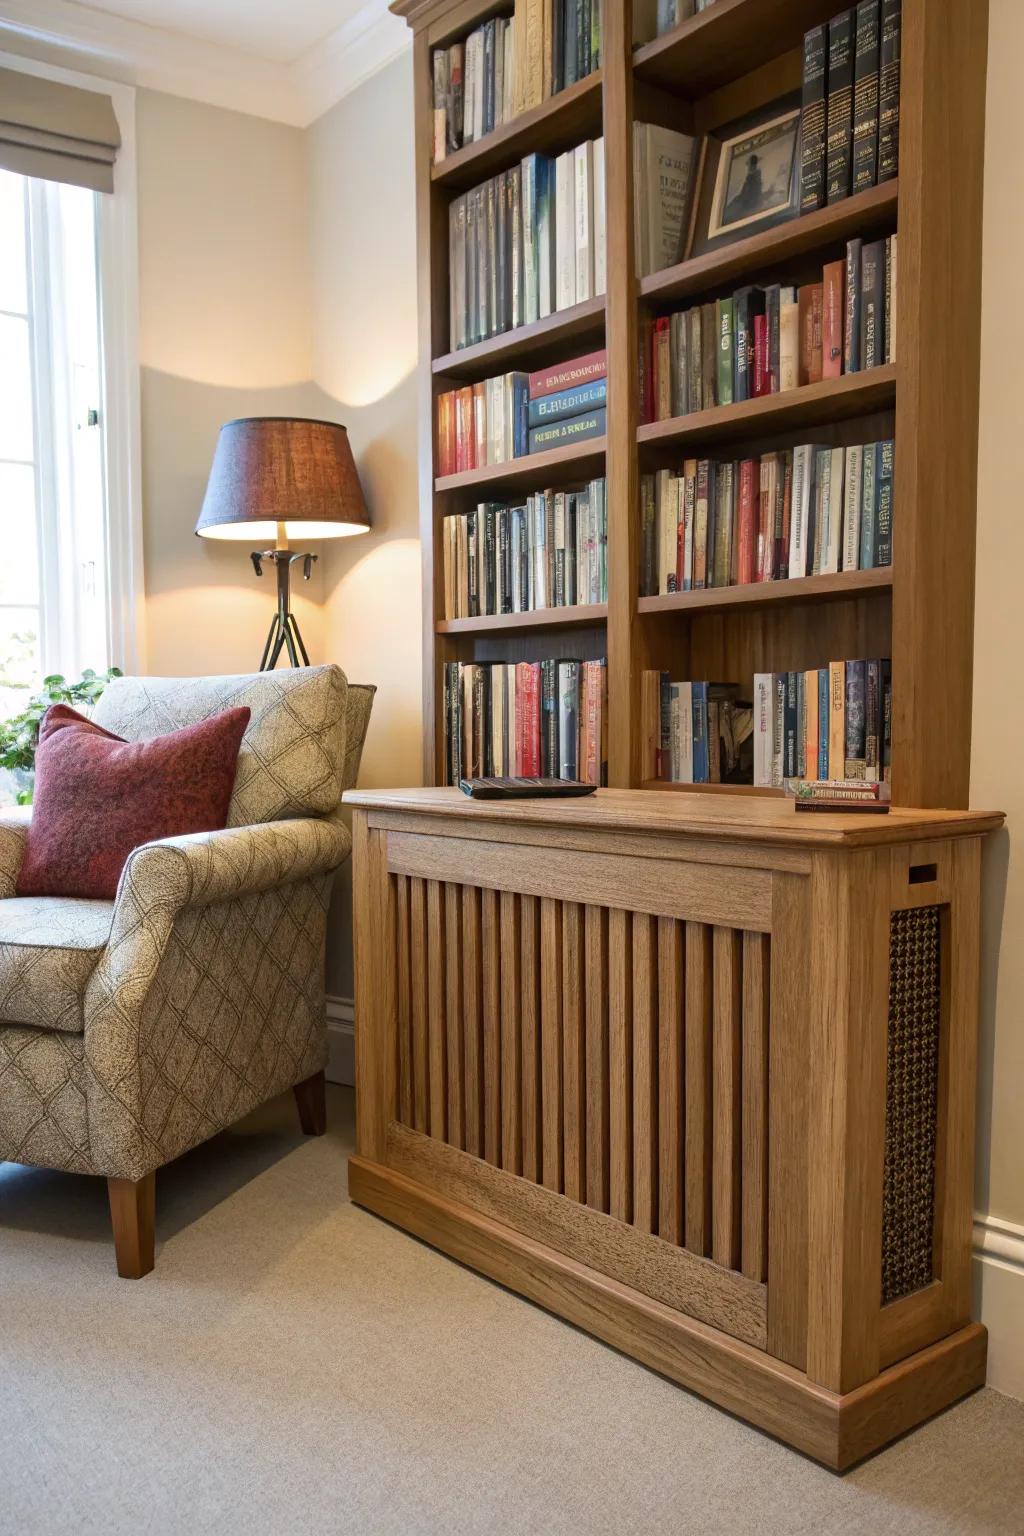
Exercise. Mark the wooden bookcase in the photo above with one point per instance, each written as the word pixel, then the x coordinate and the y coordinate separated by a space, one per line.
pixel 711 69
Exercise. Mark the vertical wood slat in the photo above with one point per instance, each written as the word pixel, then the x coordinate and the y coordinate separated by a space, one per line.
pixel 404 999
pixel 491 962
pixel 725 1098
pixel 551 1041
pixel 754 1115
pixel 436 1020
pixel 788 1106
pixel 670 1079
pixel 620 1065
pixel 573 1054
pixel 645 1073
pixel 453 1006
pixel 511 974
pixel 529 926
pixel 596 972
pixel 418 973
pixel 697 1201
pixel 472 1020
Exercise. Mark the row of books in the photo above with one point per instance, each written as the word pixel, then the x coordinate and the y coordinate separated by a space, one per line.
pixel 850 117
pixel 832 722
pixel 549 552
pixel 806 511
pixel 671 12
pixel 503 418
pixel 526 719
pixel 764 341
pixel 696 732
pixel 526 243
pixel 510 64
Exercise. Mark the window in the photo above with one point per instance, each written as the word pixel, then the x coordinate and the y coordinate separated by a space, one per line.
pixel 54 608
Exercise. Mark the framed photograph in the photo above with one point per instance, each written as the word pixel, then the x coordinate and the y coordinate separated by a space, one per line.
pixel 750 177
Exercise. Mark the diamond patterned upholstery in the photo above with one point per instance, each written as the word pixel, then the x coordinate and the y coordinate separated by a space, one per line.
pixel 204 994
pixel 49 947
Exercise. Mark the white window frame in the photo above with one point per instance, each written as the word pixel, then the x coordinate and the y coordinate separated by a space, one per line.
pixel 118 282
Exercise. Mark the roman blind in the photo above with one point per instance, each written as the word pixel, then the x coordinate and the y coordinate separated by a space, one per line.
pixel 57 132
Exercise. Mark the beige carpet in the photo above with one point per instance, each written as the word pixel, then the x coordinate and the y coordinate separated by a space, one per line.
pixel 293 1364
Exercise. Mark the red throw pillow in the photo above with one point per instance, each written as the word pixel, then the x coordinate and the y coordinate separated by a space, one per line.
pixel 97 797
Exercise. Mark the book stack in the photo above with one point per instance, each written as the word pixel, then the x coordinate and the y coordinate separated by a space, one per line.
pixel 850 118
pixel 482 423
pixel 763 341
pixel 663 183
pixel 696 732
pixel 526 243
pixel 672 12
pixel 567 402
pixel 549 552
pixel 833 722
pixel 509 64
pixel 526 719
pixel 812 510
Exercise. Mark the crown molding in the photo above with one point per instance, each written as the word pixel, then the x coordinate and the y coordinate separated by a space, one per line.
pixel 96 42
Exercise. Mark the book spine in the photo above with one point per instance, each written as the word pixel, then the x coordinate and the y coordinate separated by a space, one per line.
pixel 725 311
pixel 883 504
pixel 811 299
pixel 491 258
pixel 709 356
pixel 568 719
pixel 574 429
pixel 790 728
pixel 809 765
pixel 583 169
pixel 570 402
pixel 872 722
pixel 833 319
pixel 565 229
pixel 885 674
pixel 549 718
pixel 837 719
pixel 600 218
pixel 571 375
pixel 852 494
pixel 515 225
pixel 747 523
pixel 854 747
pixel 761 380
pixel 778 728
pixel 675 363
pixel 889 91
pixel 789 344
pixel 852 328
pixel 700 525
pixel 545 171
pixel 763 691
pixel 661 368
pixel 865 97
pixel 694 382
pixel 812 121
pixel 699 697
pixel 872 305
pixel 869 503
pixel 773 306
pixel 839 162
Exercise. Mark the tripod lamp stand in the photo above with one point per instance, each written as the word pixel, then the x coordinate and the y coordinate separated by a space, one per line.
pixel 282 478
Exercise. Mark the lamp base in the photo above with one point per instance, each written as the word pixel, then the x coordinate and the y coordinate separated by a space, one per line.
pixel 284 633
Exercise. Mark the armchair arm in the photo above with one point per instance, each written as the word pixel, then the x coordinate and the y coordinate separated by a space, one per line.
pixel 14 820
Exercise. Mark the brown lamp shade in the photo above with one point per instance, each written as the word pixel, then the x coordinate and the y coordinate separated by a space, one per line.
pixel 269 470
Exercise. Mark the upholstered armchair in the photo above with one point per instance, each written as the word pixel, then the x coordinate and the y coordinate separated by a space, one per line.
pixel 135 1029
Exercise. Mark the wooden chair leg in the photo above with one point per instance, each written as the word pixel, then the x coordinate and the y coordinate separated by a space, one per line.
pixel 311 1099
pixel 132 1214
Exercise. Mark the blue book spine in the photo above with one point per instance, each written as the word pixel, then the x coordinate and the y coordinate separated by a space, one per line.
pixel 823 720
pixel 545 235
pixel 569 402
pixel 665 732
pixel 520 405
pixel 869 502
pixel 574 429
pixel 700 733
pixel 801 726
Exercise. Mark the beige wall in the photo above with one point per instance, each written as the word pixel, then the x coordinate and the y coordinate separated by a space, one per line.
pixel 224 331
pixel 363 249
pixel 997 758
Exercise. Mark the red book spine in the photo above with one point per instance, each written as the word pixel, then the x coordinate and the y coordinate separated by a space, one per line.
pixel 833 319
pixel 445 466
pixel 531 721
pixel 465 438
pixel 811 301
pixel 746 568
pixel 762 381
pixel 579 370
pixel 662 366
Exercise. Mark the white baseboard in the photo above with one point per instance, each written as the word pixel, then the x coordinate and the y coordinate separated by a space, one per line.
pixel 999 1299
pixel 341 1041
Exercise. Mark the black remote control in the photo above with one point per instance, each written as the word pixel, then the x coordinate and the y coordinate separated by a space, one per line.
pixel 524 789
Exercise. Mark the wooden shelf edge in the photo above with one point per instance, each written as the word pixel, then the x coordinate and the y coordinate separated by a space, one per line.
pixel 712 789
pixel 524 133
pixel 562 325
pixel 577 616
pixel 854 394
pixel 758 594
pixel 853 216
pixel 530 466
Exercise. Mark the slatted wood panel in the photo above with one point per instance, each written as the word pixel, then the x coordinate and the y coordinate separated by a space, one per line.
pixel 613 1057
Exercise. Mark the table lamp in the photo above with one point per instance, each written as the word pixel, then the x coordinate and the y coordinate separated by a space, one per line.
pixel 282 478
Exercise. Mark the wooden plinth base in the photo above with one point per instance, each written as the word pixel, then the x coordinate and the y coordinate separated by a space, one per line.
pixel 836 1430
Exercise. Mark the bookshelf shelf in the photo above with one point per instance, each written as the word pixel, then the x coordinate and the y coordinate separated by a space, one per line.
pixel 574 461
pixel 725 42
pixel 580 323
pixel 713 789
pixel 862 214
pixel 583 615
pixel 556 124
pixel 769 594
pixel 815 405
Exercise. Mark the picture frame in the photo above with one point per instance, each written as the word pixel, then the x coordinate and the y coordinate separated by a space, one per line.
pixel 749 177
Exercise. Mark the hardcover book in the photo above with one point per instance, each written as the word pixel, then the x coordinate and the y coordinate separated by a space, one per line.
pixel 865 96
pixel 839 161
pixel 812 121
